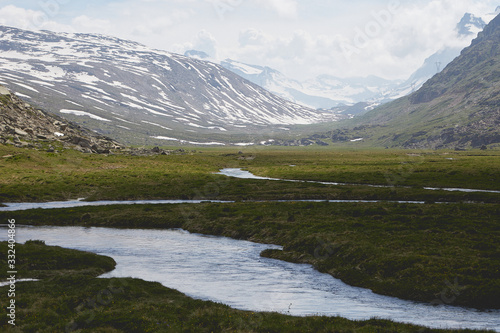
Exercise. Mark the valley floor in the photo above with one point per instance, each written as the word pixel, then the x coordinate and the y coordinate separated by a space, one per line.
pixel 404 250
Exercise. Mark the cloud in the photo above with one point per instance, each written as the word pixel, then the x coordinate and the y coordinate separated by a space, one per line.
pixel 206 42
pixel 251 37
pixel 31 19
pixel 284 8
pixel 88 24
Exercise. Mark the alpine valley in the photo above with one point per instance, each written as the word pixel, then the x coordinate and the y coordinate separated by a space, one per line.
pixel 138 95
pixel 145 97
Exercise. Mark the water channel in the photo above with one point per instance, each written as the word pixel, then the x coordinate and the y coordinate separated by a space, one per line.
pixel 232 272
pixel 243 174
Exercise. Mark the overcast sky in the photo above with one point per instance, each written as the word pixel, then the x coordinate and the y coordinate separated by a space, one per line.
pixel 302 39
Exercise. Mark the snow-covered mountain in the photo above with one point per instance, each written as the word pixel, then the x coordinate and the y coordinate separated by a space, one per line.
pixel 323 92
pixel 139 95
pixel 326 92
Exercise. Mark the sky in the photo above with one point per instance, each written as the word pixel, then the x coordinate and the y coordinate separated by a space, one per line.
pixel 302 39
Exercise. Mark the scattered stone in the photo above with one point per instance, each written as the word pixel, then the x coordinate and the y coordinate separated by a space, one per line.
pixel 20 132
pixel 4 91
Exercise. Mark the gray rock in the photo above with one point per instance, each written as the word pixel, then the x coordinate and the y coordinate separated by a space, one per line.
pixel 20 132
pixel 4 91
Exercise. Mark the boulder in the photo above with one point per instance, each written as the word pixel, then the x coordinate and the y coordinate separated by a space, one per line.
pixel 4 91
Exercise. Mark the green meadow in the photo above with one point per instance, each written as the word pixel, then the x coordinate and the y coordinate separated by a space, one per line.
pixel 444 251
pixel 33 176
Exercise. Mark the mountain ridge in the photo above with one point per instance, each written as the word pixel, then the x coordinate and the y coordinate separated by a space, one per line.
pixel 139 95
pixel 457 108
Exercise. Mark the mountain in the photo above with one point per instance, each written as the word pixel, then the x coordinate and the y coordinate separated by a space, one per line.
pixel 457 108
pixel 470 24
pixel 139 95
pixel 323 92
pixel 22 125
pixel 197 55
pixel 327 92
pixel 468 28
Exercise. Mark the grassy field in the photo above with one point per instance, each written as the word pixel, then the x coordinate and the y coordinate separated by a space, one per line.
pixel 71 299
pixel 31 176
pixel 432 252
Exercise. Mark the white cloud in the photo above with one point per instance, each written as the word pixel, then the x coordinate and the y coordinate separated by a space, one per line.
pixel 301 39
pixel 206 42
pixel 30 19
pixel 203 41
pixel 284 8
pixel 251 37
pixel 88 24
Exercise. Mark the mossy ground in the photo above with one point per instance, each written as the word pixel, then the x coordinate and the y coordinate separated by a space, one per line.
pixel 32 176
pixel 446 253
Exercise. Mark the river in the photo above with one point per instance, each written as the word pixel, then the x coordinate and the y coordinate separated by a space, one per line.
pixel 232 272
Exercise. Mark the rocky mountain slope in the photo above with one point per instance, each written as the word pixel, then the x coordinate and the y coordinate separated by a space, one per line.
pixel 138 95
pixel 23 125
pixel 457 108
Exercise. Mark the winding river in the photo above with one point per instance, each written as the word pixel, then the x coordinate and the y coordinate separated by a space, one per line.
pixel 229 172
pixel 232 272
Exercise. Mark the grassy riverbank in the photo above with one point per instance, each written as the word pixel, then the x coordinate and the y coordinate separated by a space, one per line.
pixel 71 299
pixel 438 253
pixel 32 176
pixel 441 253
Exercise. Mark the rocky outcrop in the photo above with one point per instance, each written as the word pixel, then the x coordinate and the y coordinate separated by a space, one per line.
pixel 23 125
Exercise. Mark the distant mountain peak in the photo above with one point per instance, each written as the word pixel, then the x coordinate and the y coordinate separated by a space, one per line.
pixel 197 54
pixel 470 24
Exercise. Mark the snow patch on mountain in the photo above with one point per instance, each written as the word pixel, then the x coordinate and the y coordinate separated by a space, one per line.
pixel 83 113
pixel 105 76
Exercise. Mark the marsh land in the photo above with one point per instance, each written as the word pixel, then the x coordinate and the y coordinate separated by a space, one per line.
pixel 398 249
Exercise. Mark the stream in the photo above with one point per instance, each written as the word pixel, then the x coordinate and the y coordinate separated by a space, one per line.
pixel 243 174
pixel 232 272
pixel 229 172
